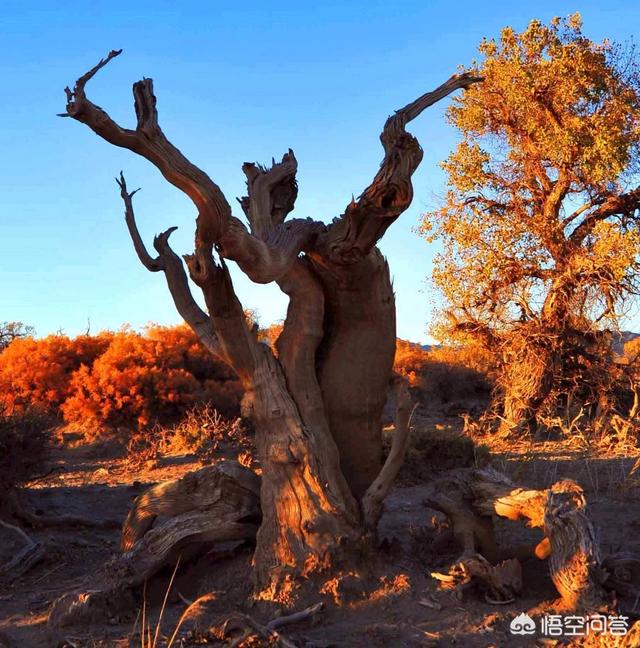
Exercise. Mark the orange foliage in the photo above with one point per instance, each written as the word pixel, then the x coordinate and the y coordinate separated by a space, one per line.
pixel 410 361
pixel 632 350
pixel 115 380
pixel 36 373
pixel 445 373
pixel 270 334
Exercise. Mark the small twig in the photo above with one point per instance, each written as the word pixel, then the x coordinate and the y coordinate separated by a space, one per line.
pixel 48 573
pixel 296 617
pixel 184 599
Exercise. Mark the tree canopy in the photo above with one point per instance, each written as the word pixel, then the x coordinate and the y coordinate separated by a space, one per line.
pixel 540 218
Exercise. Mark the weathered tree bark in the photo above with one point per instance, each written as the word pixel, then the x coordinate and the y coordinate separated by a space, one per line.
pixel 355 362
pixel 580 575
pixel 214 504
pixel 317 406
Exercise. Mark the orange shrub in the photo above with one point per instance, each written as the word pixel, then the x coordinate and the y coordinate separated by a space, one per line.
pixel 37 373
pixel 144 379
pixel 411 361
pixel 115 380
pixel 446 374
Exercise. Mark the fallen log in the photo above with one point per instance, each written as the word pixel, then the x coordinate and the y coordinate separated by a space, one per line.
pixel 17 509
pixel 18 552
pixel 214 504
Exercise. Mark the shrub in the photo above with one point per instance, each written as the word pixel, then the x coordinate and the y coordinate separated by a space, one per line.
pixel 24 445
pixel 436 448
pixel 141 380
pixel 37 373
pixel 209 435
pixel 446 375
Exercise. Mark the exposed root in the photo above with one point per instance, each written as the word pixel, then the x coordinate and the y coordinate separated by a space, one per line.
pixel 296 617
pixel 241 630
pixel 501 583
pixel 379 489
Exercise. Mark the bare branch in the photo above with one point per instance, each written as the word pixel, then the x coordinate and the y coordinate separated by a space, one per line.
pixel 264 261
pixel 151 264
pixel 271 193
pixel 379 489
pixel 168 262
pixel 149 141
pixel 623 204
pixel 577 213
pixel 391 192
pixel 238 345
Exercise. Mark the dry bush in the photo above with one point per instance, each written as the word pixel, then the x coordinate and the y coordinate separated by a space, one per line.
pixel 209 435
pixel 142 380
pixel 132 384
pixel 435 448
pixel 24 445
pixel 145 446
pixel 36 373
pixel 114 381
pixel 450 376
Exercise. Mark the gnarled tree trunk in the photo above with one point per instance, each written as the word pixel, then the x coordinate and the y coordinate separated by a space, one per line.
pixel 317 406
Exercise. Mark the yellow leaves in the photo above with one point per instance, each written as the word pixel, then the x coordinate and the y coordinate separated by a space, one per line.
pixel 554 122
pixel 555 95
pixel 466 167
pixel 613 250
pixel 574 21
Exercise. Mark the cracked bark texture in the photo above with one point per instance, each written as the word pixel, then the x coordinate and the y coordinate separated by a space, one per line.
pixel 317 402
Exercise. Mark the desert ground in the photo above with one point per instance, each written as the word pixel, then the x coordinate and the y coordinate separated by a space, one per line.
pixel 398 604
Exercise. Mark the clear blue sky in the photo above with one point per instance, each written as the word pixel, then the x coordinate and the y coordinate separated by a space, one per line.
pixel 236 81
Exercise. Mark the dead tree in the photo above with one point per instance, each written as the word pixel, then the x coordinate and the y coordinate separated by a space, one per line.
pixel 317 404
pixel 582 577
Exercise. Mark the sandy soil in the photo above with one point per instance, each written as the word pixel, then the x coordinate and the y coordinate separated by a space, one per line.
pixel 402 608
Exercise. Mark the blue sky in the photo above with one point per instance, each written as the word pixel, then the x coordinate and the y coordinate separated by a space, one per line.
pixel 235 82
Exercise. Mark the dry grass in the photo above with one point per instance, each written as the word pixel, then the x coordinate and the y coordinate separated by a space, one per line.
pixel 147 640
pixel 434 447
pixel 203 432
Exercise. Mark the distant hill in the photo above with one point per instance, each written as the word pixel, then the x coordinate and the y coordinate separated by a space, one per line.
pixel 619 340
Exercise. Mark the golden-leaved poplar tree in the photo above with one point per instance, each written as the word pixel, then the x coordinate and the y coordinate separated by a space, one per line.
pixel 540 220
